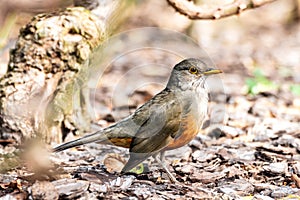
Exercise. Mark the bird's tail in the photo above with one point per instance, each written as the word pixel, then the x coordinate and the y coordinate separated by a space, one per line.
pixel 99 136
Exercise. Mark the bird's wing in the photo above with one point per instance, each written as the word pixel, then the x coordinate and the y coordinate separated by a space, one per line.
pixel 161 123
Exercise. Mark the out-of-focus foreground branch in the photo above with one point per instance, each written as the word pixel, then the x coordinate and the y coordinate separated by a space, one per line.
pixel 44 92
pixel 193 11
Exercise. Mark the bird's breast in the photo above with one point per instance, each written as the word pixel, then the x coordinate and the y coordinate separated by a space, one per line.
pixel 191 122
pixel 189 130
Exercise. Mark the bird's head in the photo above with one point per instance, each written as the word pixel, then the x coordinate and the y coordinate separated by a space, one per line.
pixel 189 74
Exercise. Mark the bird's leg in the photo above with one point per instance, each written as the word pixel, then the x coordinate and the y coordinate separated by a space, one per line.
pixel 163 157
pixel 161 160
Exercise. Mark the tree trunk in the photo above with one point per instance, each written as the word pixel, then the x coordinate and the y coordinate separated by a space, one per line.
pixel 44 92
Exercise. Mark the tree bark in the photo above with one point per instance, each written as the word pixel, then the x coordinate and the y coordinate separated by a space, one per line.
pixel 44 92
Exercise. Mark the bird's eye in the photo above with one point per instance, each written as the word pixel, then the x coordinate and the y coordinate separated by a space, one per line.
pixel 193 70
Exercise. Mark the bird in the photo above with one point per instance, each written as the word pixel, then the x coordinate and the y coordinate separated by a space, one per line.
pixel 171 119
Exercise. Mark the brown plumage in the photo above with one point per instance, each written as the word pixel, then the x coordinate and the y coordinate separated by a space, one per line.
pixel 171 119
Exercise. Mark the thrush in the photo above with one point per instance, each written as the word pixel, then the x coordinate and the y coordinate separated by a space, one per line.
pixel 171 119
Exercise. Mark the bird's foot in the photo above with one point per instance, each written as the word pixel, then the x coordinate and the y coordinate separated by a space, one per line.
pixel 172 178
pixel 161 161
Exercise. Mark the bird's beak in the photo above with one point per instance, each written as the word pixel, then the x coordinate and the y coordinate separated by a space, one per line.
pixel 212 71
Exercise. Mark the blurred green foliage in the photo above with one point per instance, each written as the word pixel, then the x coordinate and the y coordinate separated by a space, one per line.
pixel 295 89
pixel 259 83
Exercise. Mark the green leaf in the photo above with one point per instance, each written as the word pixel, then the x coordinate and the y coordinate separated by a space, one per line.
pixel 139 169
pixel 295 89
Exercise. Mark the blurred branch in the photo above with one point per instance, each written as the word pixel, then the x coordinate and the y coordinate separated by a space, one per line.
pixel 193 11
